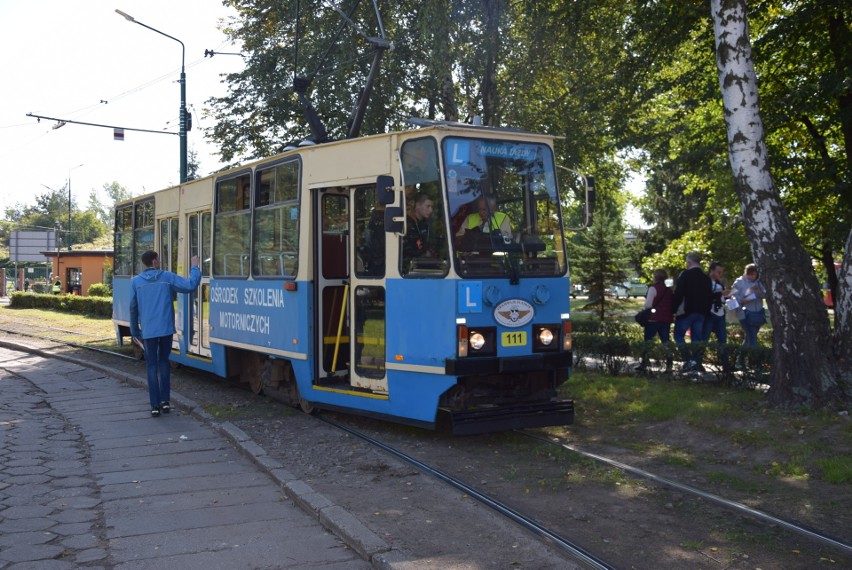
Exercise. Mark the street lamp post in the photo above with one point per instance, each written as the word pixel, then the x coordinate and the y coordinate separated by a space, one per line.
pixel 183 117
pixel 69 204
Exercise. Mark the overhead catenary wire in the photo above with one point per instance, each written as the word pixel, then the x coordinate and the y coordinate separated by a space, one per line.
pixel 411 39
pixel 88 109
pixel 165 76
pixel 333 42
pixel 349 20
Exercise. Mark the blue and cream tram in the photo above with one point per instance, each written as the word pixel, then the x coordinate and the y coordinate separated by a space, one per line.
pixel 312 292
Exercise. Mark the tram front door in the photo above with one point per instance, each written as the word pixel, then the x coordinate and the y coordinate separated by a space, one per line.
pixel 198 225
pixel 350 273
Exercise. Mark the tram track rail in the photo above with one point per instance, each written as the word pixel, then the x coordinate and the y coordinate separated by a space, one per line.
pixel 68 343
pixel 565 545
pixel 727 503
pixel 41 325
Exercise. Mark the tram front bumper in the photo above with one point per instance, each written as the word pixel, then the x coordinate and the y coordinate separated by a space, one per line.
pixel 503 365
pixel 507 417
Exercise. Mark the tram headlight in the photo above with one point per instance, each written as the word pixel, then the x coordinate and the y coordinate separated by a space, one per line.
pixel 477 341
pixel 545 338
pixel 483 341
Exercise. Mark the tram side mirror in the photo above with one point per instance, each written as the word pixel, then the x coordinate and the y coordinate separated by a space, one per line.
pixel 584 188
pixel 384 190
pixel 394 219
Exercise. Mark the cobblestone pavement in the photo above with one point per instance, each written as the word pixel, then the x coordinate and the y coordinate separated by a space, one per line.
pixel 50 505
pixel 89 480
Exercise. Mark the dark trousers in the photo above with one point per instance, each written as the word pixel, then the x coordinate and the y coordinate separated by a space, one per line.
pixel 694 323
pixel 157 352
pixel 717 325
pixel 653 329
pixel 749 332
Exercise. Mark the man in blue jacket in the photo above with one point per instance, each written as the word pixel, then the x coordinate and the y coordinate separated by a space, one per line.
pixel 151 306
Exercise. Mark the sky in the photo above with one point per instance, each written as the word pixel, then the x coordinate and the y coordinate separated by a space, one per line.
pixel 80 60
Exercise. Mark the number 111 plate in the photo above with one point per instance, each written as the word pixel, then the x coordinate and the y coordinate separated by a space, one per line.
pixel 513 338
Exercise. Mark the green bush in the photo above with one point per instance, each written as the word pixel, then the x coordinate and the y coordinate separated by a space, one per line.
pixel 615 346
pixel 99 290
pixel 585 325
pixel 613 351
pixel 95 306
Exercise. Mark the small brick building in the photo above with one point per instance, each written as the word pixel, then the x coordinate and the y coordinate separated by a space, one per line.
pixel 78 269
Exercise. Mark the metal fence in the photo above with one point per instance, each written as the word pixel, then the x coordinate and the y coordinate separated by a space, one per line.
pixel 20 276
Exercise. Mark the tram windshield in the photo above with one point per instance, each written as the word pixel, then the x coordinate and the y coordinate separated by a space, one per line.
pixel 503 208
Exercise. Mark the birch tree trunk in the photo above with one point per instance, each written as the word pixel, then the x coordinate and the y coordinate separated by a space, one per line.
pixel 843 318
pixel 806 370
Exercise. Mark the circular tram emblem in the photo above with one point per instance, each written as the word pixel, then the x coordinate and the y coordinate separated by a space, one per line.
pixel 514 313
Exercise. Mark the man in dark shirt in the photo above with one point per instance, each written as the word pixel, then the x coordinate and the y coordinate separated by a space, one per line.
pixel 419 241
pixel 693 297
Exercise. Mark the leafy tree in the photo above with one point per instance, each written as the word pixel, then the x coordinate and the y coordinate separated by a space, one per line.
pixel 676 119
pixel 451 59
pixel 49 213
pixel 192 164
pixel 106 211
pixel 260 114
pixel 668 113
pixel 808 114
pixel 86 227
pixel 804 372
pixel 672 258
pixel 601 259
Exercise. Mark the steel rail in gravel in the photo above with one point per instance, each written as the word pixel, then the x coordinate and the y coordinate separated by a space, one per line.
pixel 26 322
pixel 577 552
pixel 68 343
pixel 698 492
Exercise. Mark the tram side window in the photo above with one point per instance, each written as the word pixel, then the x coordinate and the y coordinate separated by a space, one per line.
pixel 369 233
pixel 424 245
pixel 233 227
pixel 123 241
pixel 174 229
pixel 169 244
pixel 276 221
pixel 206 256
pixel 143 231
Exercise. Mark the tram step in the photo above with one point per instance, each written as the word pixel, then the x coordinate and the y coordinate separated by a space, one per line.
pixel 505 418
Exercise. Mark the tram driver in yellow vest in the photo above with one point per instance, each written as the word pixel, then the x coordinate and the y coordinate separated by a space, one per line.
pixel 487 219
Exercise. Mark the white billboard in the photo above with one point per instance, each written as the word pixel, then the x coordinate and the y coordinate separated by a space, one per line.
pixel 28 246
